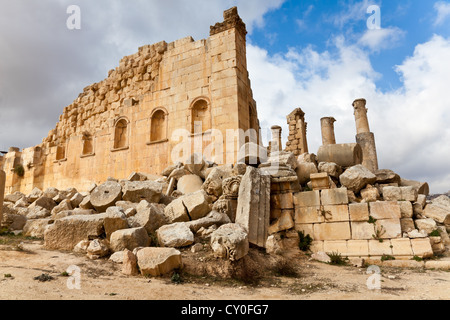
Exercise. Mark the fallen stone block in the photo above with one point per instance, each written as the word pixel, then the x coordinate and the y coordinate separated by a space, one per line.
pixel 428 225
pixel 190 183
pixel 129 239
pixel 357 178
pixel 97 249
pixel 305 170
pixel 213 218
pixel 43 202
pixel 321 257
pixel 230 241
pixel 38 213
pixel 213 185
pixel 407 225
pixel 136 191
pixel 422 248
pixel 437 213
pixel 175 235
pixel 285 222
pixel 385 176
pixel 106 195
pixel 149 216
pixel 158 261
pixel 36 228
pixel 64 205
pixel 129 264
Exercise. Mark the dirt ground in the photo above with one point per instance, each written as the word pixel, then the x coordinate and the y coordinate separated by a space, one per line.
pixel 21 262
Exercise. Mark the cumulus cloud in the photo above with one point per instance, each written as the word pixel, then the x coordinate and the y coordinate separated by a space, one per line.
pixel 443 12
pixel 410 124
pixel 381 39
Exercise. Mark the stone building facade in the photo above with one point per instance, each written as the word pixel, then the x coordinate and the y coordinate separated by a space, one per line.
pixel 195 92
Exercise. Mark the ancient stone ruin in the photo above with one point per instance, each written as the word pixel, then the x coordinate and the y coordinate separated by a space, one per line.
pixel 103 183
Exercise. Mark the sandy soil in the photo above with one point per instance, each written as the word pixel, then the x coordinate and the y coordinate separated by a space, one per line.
pixel 102 280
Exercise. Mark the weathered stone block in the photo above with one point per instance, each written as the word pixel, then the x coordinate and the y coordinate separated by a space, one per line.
pixel 158 261
pixel 358 248
pixel 359 212
pixel 317 246
pixel 337 213
pixel 428 225
pixel 407 225
pixel 307 229
pixel 320 181
pixel 388 228
pixel 378 249
pixel 332 197
pixel 401 247
pixel 230 241
pixel 385 210
pixel 129 239
pixel 406 209
pixel 362 230
pixel 336 247
pixel 307 199
pixel 285 222
pixel 332 231
pixel 287 201
pixel 438 213
pixel 356 178
pixel 175 235
pixel 309 215
pixel 422 248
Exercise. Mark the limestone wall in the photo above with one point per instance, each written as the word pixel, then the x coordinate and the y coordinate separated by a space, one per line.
pixel 129 121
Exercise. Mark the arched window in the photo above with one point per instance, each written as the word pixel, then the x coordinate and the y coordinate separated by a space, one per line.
pixel 88 144
pixel 158 126
pixel 61 152
pixel 121 134
pixel 201 117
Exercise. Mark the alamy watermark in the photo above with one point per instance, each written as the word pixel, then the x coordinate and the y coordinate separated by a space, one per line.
pixel 374 281
pixel 374 21
pixel 74 280
pixel 73 22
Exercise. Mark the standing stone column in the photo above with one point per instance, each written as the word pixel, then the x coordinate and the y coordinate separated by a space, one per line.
pixel 275 143
pixel 2 193
pixel 253 208
pixel 328 136
pixel 364 137
pixel 297 142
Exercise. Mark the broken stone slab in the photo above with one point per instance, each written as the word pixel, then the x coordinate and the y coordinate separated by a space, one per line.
pixel 189 184
pixel 16 196
pixel 197 204
pixel 253 209
pixel 416 234
pixel 66 233
pixel 321 257
pixel 76 200
pixel 334 170
pixel 283 158
pixel 385 176
pixel 136 176
pixel 420 187
pixel 175 235
pixel 437 213
pixel 64 205
pixel 441 201
pixel 82 246
pixel 12 221
pixel 230 242
pixel 149 216
pixel 274 244
pixel 106 195
pixel 129 263
pixel 35 194
pixel 129 239
pixel 283 223
pixel 86 203
pixel 38 213
pixel 43 202
pixel 97 249
pixel 370 194
pixel 136 191
pixel 427 225
pixel 213 185
pixel 158 261
pixel 36 228
pixel 51 192
pixel 357 178
pixel 167 171
pixel 115 219
pixel 213 218
pixel 177 174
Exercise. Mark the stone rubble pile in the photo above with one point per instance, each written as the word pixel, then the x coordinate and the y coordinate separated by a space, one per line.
pixel 144 223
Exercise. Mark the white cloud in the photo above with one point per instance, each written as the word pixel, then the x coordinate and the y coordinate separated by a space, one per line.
pixel 410 124
pixel 443 12
pixel 379 39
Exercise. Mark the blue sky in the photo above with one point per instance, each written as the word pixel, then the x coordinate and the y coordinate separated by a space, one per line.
pixel 317 55
pixel 298 24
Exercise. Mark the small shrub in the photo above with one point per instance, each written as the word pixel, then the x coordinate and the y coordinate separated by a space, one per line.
pixel 435 233
pixel 417 258
pixel 19 170
pixel 64 274
pixel 336 259
pixel 44 278
pixel 285 268
pixel 379 232
pixel 305 241
pixel 387 258
pixel 176 278
pixel 372 220
pixel 8 275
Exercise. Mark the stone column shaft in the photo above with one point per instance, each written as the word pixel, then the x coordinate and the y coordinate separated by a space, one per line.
pixel 2 192
pixel 328 136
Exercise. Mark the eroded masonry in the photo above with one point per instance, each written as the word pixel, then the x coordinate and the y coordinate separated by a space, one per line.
pixel 103 182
